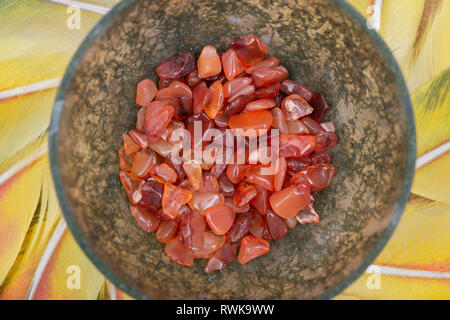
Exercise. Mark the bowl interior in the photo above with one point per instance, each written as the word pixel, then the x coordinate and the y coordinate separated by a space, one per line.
pixel 323 46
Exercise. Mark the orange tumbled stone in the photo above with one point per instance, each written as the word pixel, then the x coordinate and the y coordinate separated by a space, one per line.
pixel 295 107
pixel 211 243
pixel 143 162
pixel 260 104
pixel 125 161
pixel 208 63
pixel 243 194
pixel 167 230
pixel 232 66
pixel 236 172
pixel 230 202
pixel 255 175
pixel 192 229
pixel 201 97
pixel 157 117
pixel 215 102
pixel 194 173
pixel 220 218
pixel 276 226
pixel 280 175
pixel 264 76
pixel 221 258
pixel 209 183
pixel 292 145
pixel 251 248
pixel 146 219
pixel 261 201
pixel 235 87
pixel 269 62
pixel 173 199
pixel 178 253
pixel 205 200
pixel 252 124
pixel 129 145
pixel 164 173
pixel 317 176
pixel 132 186
pixel 139 137
pixel 296 127
pixel 146 91
pixel 279 121
pixel 289 201
pixel 250 50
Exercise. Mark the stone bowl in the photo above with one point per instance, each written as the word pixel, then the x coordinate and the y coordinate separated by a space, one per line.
pixel 326 45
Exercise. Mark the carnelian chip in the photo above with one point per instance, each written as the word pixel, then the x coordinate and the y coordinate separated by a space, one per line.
pixel 292 87
pixel 276 226
pixel 192 228
pixel 146 92
pixel 261 201
pixel 129 145
pixel 201 97
pixel 280 175
pixel 208 63
pixel 157 117
pixel 125 161
pixel 252 124
pixel 143 162
pixel 132 186
pixel 167 230
pixel 220 218
pixel 205 200
pixel 292 145
pixel 279 121
pixel 289 201
pixel 295 107
pixel 146 219
pixel 173 199
pixel 215 102
pixel 232 66
pixel 251 248
pixel 164 173
pixel 250 50
pixel 211 243
pixel 177 252
pixel 193 171
pixel 243 194
pixel 240 227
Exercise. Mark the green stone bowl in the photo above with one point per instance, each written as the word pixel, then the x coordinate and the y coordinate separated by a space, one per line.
pixel 326 45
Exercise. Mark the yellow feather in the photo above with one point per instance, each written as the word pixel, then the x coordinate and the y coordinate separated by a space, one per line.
pixel 17 283
pixel 69 274
pixel 400 23
pixel 35 43
pixel 19 197
pixel 433 180
pixel 23 120
pixel 361 6
pixel 432 112
pixel 393 287
pixel 421 240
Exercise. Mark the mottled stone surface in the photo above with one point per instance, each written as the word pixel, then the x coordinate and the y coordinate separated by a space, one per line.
pixel 322 46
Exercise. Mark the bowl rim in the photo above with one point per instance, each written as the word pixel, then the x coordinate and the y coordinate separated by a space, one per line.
pixel 113 277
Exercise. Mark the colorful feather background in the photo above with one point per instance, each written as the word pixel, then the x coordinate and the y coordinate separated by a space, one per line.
pixel 37 252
